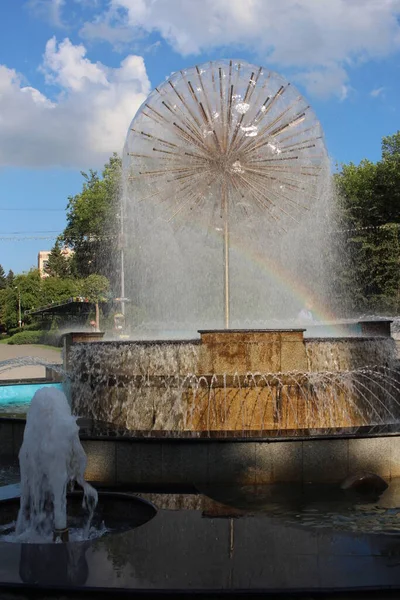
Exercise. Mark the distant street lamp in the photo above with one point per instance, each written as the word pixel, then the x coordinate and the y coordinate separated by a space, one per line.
pixel 19 307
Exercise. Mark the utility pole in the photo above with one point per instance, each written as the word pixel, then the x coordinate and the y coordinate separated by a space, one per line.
pixel 122 244
pixel 19 307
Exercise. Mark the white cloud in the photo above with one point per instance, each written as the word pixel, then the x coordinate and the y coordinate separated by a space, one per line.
pixel 50 10
pixel 86 121
pixel 152 48
pixel 377 92
pixel 102 29
pixel 326 82
pixel 313 35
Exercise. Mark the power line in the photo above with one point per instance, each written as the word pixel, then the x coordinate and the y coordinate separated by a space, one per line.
pixel 26 238
pixel 27 232
pixel 35 209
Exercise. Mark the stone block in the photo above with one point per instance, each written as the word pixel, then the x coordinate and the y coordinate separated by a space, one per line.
pixel 301 568
pixel 261 337
pixel 286 461
pixel 18 429
pixel 351 571
pixel 263 357
pixel 375 328
pixel 253 558
pixel 292 336
pixel 332 545
pixel 184 462
pixel 101 461
pixel 394 456
pixel 205 360
pixel 292 541
pixel 325 460
pixel 229 358
pixel 264 468
pixel 6 438
pixel 370 454
pixel 232 463
pixel 139 462
pixel 293 356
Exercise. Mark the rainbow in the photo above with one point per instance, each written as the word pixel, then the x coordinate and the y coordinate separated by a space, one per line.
pixel 294 286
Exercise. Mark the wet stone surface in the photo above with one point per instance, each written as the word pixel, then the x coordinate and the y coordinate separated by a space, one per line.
pixel 287 537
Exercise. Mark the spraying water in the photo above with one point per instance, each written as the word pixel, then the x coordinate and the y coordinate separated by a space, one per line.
pixel 227 202
pixel 51 457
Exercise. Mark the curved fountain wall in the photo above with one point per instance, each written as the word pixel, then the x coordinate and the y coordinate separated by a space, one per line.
pixel 342 354
pixel 237 381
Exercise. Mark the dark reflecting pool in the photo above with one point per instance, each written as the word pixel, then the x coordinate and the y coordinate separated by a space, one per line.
pixel 225 541
pixel 316 506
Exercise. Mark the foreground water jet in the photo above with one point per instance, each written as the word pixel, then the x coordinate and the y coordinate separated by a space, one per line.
pixel 51 458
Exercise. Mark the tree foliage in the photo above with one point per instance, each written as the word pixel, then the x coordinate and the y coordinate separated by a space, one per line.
pixel 3 279
pixel 35 292
pixel 93 223
pixel 58 264
pixel 95 288
pixel 369 197
pixel 10 278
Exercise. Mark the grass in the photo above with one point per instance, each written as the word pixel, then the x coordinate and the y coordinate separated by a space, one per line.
pixel 55 348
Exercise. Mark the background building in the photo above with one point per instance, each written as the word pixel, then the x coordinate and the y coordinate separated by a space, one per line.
pixel 43 257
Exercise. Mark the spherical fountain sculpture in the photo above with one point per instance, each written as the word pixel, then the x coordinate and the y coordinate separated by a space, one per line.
pixel 219 155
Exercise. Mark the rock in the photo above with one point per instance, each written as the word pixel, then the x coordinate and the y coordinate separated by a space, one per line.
pixel 364 482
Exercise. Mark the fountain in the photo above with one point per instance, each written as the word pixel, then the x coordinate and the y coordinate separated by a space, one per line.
pixel 48 464
pixel 51 460
pixel 223 162
pixel 223 157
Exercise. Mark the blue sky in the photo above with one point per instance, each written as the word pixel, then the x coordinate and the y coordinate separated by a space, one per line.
pixel 74 72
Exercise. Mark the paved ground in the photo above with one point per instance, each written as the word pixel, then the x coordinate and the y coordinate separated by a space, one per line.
pixel 26 351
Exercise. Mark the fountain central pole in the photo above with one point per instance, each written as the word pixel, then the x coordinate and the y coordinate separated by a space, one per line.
pixel 226 250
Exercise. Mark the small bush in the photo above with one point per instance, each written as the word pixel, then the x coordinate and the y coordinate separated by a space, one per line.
pixel 26 327
pixel 50 338
pixel 26 337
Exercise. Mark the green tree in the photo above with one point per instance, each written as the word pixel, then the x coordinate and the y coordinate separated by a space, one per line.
pixel 58 265
pixel 3 279
pixel 28 286
pixel 10 278
pixel 93 223
pixel 57 289
pixel 369 201
pixel 8 308
pixel 96 288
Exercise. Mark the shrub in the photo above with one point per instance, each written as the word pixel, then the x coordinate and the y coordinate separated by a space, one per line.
pixel 50 338
pixel 26 337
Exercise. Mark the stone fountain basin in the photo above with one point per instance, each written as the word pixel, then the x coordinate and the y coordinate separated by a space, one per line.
pixel 119 512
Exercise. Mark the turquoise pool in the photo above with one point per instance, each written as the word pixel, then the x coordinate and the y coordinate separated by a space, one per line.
pixel 15 399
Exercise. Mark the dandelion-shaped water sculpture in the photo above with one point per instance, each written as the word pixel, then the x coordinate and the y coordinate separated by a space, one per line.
pixel 230 141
